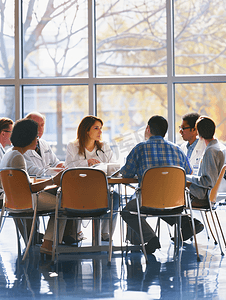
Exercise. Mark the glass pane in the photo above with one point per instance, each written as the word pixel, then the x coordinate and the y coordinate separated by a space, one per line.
pixel 125 111
pixel 200 35
pixel 7 102
pixel 7 39
pixel 131 37
pixel 55 38
pixel 63 107
pixel 206 99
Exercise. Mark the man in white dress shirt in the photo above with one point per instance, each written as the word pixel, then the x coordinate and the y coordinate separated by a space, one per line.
pixel 193 147
pixel 6 127
pixel 42 158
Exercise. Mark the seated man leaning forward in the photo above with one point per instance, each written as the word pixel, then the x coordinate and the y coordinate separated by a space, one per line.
pixel 210 165
pixel 23 138
pixel 155 151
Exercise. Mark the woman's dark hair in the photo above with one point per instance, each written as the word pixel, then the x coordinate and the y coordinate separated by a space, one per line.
pixel 83 128
pixel 158 125
pixel 206 127
pixel 24 132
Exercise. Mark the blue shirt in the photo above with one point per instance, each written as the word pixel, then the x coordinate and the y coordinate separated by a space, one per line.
pixel 153 153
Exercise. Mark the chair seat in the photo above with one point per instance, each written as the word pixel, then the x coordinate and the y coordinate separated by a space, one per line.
pixel 156 211
pixel 88 213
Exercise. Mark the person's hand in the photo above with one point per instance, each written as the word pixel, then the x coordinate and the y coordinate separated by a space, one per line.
pixel 60 165
pixel 93 161
pixel 56 178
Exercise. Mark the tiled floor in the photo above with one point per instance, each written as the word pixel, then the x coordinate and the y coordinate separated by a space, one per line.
pixel 87 276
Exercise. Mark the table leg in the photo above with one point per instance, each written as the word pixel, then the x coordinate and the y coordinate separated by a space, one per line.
pixel 96 232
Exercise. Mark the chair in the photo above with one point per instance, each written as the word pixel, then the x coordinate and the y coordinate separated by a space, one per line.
pixel 212 209
pixel 162 194
pixel 18 204
pixel 84 194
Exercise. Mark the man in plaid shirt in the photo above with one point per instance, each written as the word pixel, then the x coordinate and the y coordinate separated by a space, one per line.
pixel 154 152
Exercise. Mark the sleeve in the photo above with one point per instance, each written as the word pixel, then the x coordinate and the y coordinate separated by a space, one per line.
pixel 54 159
pixel 51 157
pixel 18 161
pixel 187 166
pixel 209 174
pixel 73 159
pixel 129 170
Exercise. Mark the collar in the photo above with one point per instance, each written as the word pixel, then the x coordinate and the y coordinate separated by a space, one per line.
pixel 213 142
pixel 155 137
pixel 193 144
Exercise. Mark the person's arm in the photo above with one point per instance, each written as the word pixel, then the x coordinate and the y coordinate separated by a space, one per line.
pixel 38 186
pixel 209 174
pixel 129 170
pixel 60 165
pixel 48 156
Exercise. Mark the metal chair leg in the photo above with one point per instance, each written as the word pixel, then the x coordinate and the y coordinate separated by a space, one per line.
pixel 222 233
pixel 215 241
pixel 31 234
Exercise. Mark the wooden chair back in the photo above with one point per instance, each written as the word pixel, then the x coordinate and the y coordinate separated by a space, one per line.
pixel 16 186
pixel 214 190
pixel 163 187
pixel 84 189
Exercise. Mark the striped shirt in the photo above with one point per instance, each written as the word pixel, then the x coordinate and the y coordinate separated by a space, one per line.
pixel 154 152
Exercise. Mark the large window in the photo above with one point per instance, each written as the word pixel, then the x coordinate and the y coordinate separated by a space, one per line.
pixel 122 60
pixel 131 37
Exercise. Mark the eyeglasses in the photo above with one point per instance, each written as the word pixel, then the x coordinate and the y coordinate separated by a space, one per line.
pixel 183 128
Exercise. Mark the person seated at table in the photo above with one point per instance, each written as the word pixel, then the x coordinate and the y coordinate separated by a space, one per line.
pixel 42 158
pixel 40 161
pixel 210 166
pixel 24 137
pixel 193 147
pixel 6 126
pixel 88 150
pixel 154 152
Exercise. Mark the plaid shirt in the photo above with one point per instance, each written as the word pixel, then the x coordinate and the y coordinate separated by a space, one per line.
pixel 153 153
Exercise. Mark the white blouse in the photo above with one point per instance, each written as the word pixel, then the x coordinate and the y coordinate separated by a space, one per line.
pixel 74 159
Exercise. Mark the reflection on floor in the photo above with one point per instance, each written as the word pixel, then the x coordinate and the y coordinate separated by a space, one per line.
pixel 87 276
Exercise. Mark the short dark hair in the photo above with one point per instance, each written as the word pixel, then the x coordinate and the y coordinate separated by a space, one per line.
pixel 4 123
pixel 158 125
pixel 191 119
pixel 206 127
pixel 24 132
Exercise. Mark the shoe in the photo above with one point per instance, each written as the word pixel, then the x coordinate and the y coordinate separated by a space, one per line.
pixel 45 251
pixel 69 240
pixel 40 238
pixel 152 245
pixel 80 236
pixel 187 234
pixel 105 237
